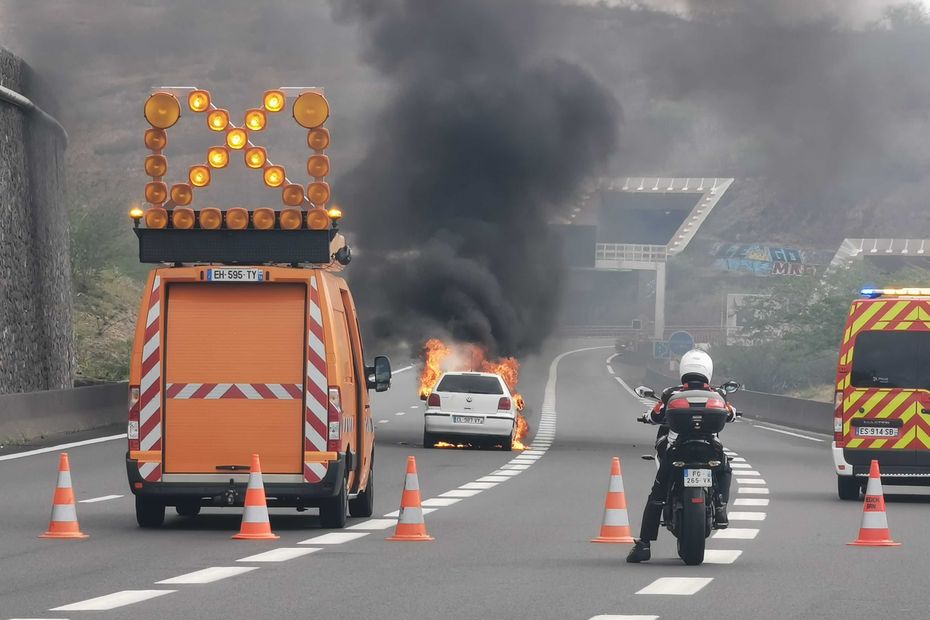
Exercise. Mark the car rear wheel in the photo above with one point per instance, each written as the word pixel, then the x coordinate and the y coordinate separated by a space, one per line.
pixel 848 487
pixel 334 510
pixel 429 439
pixel 506 443
pixel 364 504
pixel 150 512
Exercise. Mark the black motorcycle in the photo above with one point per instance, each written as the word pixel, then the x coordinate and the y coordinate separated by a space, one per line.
pixel 696 457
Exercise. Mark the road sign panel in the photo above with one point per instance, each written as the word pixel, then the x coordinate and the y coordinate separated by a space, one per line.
pixel 661 350
pixel 680 343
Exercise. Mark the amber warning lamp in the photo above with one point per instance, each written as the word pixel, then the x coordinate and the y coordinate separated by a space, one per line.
pixel 173 229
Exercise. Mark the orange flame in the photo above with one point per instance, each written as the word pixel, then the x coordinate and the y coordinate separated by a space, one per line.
pixel 439 357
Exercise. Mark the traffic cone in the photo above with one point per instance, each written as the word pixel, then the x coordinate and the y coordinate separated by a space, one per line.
pixel 255 523
pixel 64 522
pixel 874 530
pixel 410 524
pixel 616 525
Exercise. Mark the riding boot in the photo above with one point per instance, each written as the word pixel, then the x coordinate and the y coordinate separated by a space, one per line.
pixel 720 516
pixel 640 552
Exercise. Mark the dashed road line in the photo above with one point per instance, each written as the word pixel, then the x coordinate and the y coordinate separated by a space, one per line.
pixel 753 491
pixel 747 516
pixel 207 575
pixel 676 586
pixel 740 465
pixel 623 617
pixel 721 556
pixel 460 493
pixel 479 485
pixel 333 538
pixel 400 370
pixel 739 533
pixel 112 601
pixel 374 524
pixel 493 479
pixel 748 472
pixel 102 498
pixel 750 481
pixel 282 554
pixel 437 502
pixel 750 501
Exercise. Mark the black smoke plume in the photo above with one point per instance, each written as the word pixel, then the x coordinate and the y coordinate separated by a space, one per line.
pixel 481 141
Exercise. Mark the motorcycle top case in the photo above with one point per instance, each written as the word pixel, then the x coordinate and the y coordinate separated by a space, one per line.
pixel 697 418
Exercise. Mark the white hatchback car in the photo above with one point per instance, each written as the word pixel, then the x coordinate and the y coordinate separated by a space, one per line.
pixel 475 405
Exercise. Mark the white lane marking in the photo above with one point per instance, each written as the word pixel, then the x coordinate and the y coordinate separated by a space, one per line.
pixel 518 466
pixel 437 502
pixel 374 524
pixel 400 370
pixel 752 490
pixel 401 413
pixel 396 513
pixel 748 472
pixel 610 369
pixel 534 452
pixel 112 601
pixel 493 479
pixel 282 554
pixel 383 421
pixel 460 493
pixel 721 556
pixel 738 533
pixel 64 446
pixel 479 485
pixel 207 575
pixel 508 473
pixel 680 586
pixel 526 459
pixel 414 406
pixel 102 498
pixel 747 516
pixel 741 466
pixel 750 501
pixel 759 481
pixel 333 538
pixel 616 617
pixel 778 430
pixel 626 387
pixel 738 459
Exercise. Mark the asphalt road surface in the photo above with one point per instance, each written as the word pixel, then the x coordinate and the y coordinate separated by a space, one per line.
pixel 512 530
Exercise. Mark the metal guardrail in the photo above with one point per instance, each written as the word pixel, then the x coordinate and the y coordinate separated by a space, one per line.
pixel 20 101
pixel 631 252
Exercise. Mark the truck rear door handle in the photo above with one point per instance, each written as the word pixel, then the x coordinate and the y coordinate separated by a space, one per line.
pixel 233 467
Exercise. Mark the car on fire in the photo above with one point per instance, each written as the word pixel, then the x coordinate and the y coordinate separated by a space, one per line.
pixel 475 407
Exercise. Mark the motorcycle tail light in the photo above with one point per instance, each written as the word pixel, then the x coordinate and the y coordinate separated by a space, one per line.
pixel 679 403
pixel 715 403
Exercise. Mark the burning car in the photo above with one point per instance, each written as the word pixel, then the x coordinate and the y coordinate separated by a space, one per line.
pixel 470 406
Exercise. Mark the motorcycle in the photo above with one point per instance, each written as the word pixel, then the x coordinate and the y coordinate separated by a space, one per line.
pixel 696 458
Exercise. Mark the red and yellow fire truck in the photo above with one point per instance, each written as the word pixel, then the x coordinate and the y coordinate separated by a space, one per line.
pixel 247 339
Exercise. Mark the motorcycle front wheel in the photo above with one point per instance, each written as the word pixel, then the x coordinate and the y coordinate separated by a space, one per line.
pixel 693 520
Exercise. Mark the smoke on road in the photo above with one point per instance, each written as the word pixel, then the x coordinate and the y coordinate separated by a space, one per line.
pixel 483 138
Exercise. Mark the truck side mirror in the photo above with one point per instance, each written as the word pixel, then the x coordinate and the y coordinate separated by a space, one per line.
pixel 379 375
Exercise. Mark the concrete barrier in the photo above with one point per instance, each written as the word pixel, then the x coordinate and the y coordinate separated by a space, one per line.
pixel 31 415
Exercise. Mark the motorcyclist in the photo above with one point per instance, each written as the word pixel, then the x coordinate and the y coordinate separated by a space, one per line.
pixel 695 369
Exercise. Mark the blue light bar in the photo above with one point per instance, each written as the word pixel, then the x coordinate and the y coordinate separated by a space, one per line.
pixel 872 293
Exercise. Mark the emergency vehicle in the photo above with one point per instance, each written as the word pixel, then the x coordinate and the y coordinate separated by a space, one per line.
pixel 882 397
pixel 247 340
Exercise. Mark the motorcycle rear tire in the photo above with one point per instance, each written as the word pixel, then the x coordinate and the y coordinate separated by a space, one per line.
pixel 693 527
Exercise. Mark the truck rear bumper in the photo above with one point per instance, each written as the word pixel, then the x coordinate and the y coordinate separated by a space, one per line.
pixel 905 467
pixel 231 492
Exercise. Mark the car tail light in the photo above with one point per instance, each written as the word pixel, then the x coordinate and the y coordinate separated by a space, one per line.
pixel 715 403
pixel 838 419
pixel 503 404
pixel 679 403
pixel 132 428
pixel 334 443
pixel 433 400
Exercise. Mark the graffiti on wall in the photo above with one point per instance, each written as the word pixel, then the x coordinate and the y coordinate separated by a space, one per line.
pixel 766 260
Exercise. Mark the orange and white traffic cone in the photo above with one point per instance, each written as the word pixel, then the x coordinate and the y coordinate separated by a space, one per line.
pixel 874 530
pixel 255 523
pixel 616 525
pixel 64 522
pixel 410 523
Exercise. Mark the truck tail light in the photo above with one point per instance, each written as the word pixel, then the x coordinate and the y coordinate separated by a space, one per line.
pixel 334 443
pixel 838 419
pixel 132 428
pixel 433 400
pixel 503 404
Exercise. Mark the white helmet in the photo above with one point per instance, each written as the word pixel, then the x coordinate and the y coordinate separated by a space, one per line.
pixel 696 365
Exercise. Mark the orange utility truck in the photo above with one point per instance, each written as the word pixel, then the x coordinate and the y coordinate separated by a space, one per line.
pixel 247 340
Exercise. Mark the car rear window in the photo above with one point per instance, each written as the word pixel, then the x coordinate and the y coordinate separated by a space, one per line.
pixel 891 360
pixel 470 384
